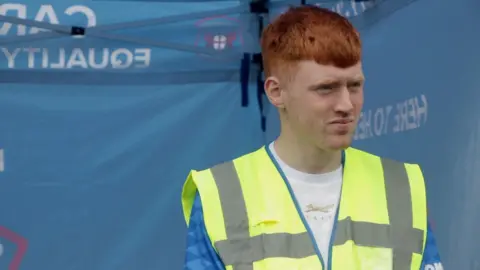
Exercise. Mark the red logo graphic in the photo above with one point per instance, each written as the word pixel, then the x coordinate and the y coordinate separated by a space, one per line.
pixel 222 40
pixel 21 244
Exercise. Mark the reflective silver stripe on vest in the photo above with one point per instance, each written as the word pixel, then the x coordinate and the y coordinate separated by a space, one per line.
pixel 399 204
pixel 248 250
pixel 240 250
pixel 377 235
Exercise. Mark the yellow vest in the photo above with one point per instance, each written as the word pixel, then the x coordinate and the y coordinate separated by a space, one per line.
pixel 255 223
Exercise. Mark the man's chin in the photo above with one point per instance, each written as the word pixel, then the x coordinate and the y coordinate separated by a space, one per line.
pixel 340 142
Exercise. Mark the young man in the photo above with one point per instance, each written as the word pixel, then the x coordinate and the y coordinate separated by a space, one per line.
pixel 308 200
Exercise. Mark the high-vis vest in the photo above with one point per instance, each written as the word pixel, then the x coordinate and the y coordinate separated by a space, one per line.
pixel 255 223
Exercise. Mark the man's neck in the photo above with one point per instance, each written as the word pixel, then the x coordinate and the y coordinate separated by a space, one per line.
pixel 306 157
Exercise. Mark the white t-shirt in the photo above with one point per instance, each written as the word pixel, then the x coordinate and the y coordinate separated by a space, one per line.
pixel 318 196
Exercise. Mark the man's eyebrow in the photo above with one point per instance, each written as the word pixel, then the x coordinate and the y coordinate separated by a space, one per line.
pixel 359 78
pixel 327 83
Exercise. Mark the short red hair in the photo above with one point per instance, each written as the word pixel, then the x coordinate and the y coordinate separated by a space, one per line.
pixel 310 33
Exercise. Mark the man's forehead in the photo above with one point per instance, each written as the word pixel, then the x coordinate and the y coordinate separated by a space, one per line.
pixel 310 70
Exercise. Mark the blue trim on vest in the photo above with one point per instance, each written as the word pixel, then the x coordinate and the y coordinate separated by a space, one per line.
pixel 300 212
pixel 334 230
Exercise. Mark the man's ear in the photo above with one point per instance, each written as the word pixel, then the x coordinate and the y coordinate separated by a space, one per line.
pixel 273 91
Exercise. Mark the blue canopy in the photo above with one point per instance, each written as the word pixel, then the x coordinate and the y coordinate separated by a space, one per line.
pixel 106 105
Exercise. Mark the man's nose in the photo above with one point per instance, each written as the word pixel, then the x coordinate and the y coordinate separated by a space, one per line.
pixel 344 102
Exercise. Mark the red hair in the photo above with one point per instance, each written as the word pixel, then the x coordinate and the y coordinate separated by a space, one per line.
pixel 310 33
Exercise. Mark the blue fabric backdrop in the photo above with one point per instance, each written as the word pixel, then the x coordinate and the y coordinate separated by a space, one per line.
pixel 98 133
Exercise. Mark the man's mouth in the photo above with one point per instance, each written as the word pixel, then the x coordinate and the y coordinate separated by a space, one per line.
pixel 342 121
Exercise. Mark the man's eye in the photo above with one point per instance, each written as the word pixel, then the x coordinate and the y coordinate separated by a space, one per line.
pixel 326 87
pixel 355 85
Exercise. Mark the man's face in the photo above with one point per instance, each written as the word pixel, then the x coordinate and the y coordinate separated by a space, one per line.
pixel 321 103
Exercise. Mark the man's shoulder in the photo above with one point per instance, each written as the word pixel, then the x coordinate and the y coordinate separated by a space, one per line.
pixel 369 155
pixel 237 158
